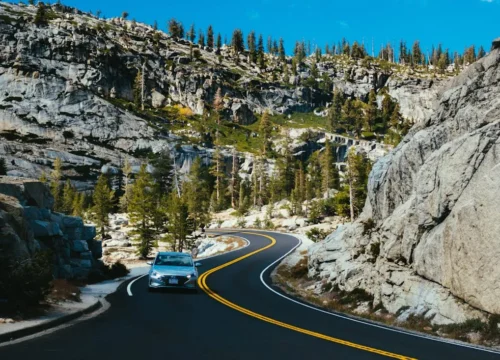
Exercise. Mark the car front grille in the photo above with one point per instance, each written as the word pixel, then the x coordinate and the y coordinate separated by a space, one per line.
pixel 181 280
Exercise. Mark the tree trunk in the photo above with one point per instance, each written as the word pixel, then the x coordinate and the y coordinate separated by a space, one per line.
pixel 351 199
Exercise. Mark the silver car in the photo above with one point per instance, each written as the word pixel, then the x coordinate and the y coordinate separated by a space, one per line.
pixel 173 270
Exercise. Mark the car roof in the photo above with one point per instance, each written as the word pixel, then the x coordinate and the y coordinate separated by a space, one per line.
pixel 173 253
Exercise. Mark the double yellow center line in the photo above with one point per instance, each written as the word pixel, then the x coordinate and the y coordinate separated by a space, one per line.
pixel 202 283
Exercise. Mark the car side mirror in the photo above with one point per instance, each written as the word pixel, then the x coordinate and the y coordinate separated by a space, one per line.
pixel 198 264
pixel 149 263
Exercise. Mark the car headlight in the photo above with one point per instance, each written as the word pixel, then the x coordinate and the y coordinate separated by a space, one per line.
pixel 191 276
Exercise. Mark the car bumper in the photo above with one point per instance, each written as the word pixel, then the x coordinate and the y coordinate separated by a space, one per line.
pixel 183 284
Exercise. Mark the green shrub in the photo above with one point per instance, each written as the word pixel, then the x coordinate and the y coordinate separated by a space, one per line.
pixel 257 223
pixel 241 223
pixel 316 234
pixel 368 226
pixel 26 282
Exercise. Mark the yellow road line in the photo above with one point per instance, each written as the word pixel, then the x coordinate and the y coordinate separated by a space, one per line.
pixel 202 283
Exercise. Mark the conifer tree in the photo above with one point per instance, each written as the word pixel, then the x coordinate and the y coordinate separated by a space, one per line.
pixel 237 42
pixel 142 208
pixel 201 38
pixel 43 178
pixel 163 172
pixel 69 194
pixel 481 53
pixel 78 204
pixel 371 110
pixel 219 43
pixel 138 89
pixel 329 172
pixel 210 37
pixel 191 33
pixel 281 50
pixel 233 187
pixel 3 167
pixel 175 29
pixel 358 169
pixel 285 169
pixel 417 53
pixel 265 129
pixel 55 185
pixel 217 170
pixel 196 194
pixel 260 52
pixel 177 213
pixel 127 172
pixel 41 15
pixel 252 46
pixel 103 203
pixel 335 112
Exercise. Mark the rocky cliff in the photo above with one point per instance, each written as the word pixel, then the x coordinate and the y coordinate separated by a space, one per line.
pixel 27 224
pixel 67 86
pixel 428 238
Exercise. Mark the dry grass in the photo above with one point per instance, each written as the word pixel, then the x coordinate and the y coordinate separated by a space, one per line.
pixel 63 290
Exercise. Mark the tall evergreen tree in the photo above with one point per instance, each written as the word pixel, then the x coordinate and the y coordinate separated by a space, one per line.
pixel 142 208
pixel 251 42
pixel 78 204
pixel 285 168
pixel 237 42
pixel 191 33
pixel 163 172
pixel 371 113
pixel 335 113
pixel 329 172
pixel 219 43
pixel 177 213
pixel 69 194
pixel 196 194
pixel 201 38
pixel 281 50
pixel 417 53
pixel 175 29
pixel 265 130
pixel 103 203
pixel 55 185
pixel 358 169
pixel 210 37
pixel 260 52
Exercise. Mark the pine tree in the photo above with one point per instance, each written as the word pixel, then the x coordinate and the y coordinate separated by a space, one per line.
pixel 201 38
pixel 233 187
pixel 138 89
pixel 285 169
pixel 43 178
pixel 329 172
pixel 371 110
pixel 78 204
pixel 142 208
pixel 163 172
pixel 417 53
pixel 260 52
pixel 103 203
pixel 217 170
pixel 3 167
pixel 210 37
pixel 265 130
pixel 191 33
pixel 358 169
pixel 69 194
pixel 481 53
pixel 127 172
pixel 177 213
pixel 237 42
pixel 281 50
pixel 219 43
pixel 196 194
pixel 251 46
pixel 335 112
pixel 175 29
pixel 41 15
pixel 55 185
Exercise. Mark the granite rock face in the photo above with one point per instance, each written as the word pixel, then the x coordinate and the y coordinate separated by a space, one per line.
pixel 27 224
pixel 435 204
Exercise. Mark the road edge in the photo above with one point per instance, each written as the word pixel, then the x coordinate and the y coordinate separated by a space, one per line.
pixel 32 330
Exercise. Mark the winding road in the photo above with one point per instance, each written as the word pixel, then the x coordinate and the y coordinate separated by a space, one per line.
pixel 238 315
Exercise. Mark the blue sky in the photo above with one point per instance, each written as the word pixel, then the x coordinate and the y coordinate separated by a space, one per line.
pixel 454 23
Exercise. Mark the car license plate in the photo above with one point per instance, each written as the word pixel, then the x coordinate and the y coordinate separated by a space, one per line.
pixel 173 281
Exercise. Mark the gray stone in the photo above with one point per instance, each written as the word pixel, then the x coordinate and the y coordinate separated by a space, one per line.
pixel 45 229
pixel 79 246
pixel 89 232
pixel 87 255
pixel 71 222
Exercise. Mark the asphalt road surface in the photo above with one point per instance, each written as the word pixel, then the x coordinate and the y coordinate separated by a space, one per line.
pixel 233 316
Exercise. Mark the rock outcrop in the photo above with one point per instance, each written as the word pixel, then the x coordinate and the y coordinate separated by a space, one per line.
pixel 27 224
pixel 428 237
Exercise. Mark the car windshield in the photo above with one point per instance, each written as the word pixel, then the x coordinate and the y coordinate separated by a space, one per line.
pixel 174 260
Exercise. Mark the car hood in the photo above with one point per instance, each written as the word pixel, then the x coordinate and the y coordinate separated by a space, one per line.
pixel 173 270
